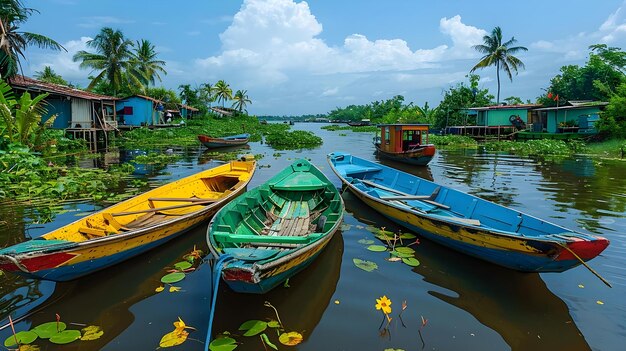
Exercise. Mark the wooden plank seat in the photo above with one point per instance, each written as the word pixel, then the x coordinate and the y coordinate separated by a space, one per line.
pixel 293 220
pixel 265 239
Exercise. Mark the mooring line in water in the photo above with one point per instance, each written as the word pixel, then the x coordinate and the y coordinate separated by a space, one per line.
pixel 586 265
pixel 216 275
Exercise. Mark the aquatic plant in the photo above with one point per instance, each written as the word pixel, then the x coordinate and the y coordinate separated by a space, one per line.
pixel 298 139
pixel 537 147
pixel 452 140
pixel 176 337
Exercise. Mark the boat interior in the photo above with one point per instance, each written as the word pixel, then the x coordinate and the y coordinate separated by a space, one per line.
pixel 410 192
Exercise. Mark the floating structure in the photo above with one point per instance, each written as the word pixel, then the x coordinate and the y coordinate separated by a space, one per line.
pixel 406 143
pixel 128 228
pixel 464 222
pixel 277 229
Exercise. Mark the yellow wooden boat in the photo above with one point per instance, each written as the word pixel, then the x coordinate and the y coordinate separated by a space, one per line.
pixel 128 228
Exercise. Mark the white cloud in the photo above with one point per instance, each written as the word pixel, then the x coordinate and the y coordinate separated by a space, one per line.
pixel 62 62
pixel 463 36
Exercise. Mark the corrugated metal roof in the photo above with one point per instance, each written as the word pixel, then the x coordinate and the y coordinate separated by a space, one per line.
pixel 189 108
pixel 34 85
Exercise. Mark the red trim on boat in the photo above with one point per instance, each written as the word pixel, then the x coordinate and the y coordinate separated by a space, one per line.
pixel 585 249
pixel 39 263
pixel 239 275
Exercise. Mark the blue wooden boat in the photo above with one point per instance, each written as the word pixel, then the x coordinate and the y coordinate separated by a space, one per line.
pixel 464 222
pixel 233 140
pixel 275 230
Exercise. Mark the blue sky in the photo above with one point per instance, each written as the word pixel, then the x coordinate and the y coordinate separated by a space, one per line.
pixel 298 57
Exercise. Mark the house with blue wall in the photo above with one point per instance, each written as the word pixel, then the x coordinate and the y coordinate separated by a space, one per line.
pixel 188 111
pixel 140 110
pixel 503 115
pixel 574 116
pixel 74 108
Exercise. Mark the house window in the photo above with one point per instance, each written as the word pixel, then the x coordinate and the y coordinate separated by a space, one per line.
pixel 128 110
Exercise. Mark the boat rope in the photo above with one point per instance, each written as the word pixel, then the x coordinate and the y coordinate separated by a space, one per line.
pixel 216 275
pixel 585 264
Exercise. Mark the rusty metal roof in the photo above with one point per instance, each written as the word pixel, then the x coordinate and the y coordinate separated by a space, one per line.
pixel 34 85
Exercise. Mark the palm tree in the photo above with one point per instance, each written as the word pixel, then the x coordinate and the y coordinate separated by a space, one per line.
pixel 113 58
pixel 499 54
pixel 223 92
pixel 241 100
pixel 14 42
pixel 146 62
pixel 207 93
pixel 50 76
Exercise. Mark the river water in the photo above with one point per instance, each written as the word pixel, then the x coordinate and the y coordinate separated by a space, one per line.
pixel 468 304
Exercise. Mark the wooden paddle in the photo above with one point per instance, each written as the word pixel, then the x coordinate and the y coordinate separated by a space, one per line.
pixel 196 203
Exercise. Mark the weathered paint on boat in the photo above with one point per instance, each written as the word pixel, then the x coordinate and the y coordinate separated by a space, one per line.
pixel 233 140
pixel 125 230
pixel 270 233
pixel 463 222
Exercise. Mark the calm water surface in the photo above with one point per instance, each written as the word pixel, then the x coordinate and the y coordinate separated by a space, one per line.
pixel 469 304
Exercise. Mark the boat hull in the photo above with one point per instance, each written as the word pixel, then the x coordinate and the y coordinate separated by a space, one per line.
pixel 63 260
pixel 553 252
pixel 277 229
pixel 419 157
pixel 212 143
pixel 263 279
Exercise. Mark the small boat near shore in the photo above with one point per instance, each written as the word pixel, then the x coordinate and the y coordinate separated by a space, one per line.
pixel 464 222
pixel 233 140
pixel 406 143
pixel 128 228
pixel 277 229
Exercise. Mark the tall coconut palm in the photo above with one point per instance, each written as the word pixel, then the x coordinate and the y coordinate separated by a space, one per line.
pixel 499 54
pixel 223 92
pixel 241 100
pixel 14 42
pixel 113 58
pixel 147 64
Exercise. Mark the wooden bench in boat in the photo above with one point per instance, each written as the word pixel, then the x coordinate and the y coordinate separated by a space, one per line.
pixel 264 239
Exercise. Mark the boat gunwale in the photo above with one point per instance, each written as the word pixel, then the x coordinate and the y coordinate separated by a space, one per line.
pixel 114 238
pixel 491 232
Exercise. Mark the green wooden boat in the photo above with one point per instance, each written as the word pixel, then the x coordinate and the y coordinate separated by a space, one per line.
pixel 277 229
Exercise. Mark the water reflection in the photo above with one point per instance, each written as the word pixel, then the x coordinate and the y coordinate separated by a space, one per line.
pixel 516 305
pixel 300 306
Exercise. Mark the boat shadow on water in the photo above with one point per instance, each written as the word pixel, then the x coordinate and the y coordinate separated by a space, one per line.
pixel 300 306
pixel 518 306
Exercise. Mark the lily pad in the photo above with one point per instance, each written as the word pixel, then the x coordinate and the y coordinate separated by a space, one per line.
pixel 174 338
pixel 345 227
pixel 366 241
pixel 24 337
pixel 367 266
pixel 65 337
pixel 173 278
pixel 46 330
pixel 182 265
pixel 406 250
pixel 400 254
pixel 411 261
pixel 91 332
pixel 377 248
pixel 407 236
pixel 223 344
pixel 290 339
pixel 253 327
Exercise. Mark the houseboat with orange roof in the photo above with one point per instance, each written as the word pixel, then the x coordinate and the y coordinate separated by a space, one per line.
pixel 406 143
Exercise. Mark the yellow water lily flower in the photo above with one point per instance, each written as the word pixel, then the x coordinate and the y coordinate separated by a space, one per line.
pixel 384 304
